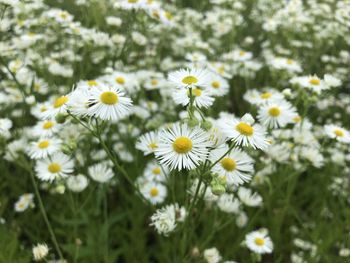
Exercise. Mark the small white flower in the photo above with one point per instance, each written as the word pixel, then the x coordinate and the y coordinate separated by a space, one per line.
pixel 259 242
pixel 40 251
pixel 338 133
pixel 58 165
pixel 77 183
pixel 148 142
pixel 189 78
pixel 249 198
pixel 212 255
pixel 182 147
pixel 244 132
pixel 100 172
pixel 154 192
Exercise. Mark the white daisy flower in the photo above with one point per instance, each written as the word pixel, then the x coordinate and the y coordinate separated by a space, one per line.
pixel 108 103
pixel 43 147
pixel 238 55
pixel 312 83
pixel 130 4
pixel 88 84
pixel 77 183
pixel 155 172
pixel 24 202
pixel 58 165
pixel 101 172
pixel 218 86
pixel 181 147
pixel 331 80
pixel 125 81
pixel 164 220
pixel 78 103
pixel 40 251
pixel 59 105
pixel 338 133
pixel 212 255
pixel 287 64
pixel 229 204
pixel 262 97
pixel 249 198
pixel 244 132
pixel 276 114
pixel 259 242
pixel 148 142
pixel 201 97
pixel 5 126
pixel 189 78
pixel 46 128
pixel 236 166
pixel 154 192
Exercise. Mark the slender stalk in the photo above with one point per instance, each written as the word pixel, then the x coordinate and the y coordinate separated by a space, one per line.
pixel 44 214
pixel 106 222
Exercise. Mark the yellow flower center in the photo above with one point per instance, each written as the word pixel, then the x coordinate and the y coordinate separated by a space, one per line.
pixel 109 98
pixel 297 119
pixel 37 87
pixel 43 144
pixel 274 111
pixel 265 95
pixel 54 168
pixel 182 145
pixel 290 61
pixel 156 170
pixel 63 15
pixel 188 80
pixel 43 108
pixel 92 83
pixel 228 164
pixel 59 102
pixel 242 53
pixel 120 80
pixel 314 81
pixel 259 241
pixel 215 84
pixel 153 145
pixel 154 192
pixel 154 82
pixel 168 15
pixel 48 125
pixel 338 133
pixel 196 92
pixel 245 129
pixel 155 13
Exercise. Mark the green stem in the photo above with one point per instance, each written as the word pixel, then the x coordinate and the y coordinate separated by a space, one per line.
pixel 43 212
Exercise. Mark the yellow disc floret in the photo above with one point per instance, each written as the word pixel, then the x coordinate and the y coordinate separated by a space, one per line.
pixel 228 164
pixel 120 80
pixel 156 170
pixel 92 83
pixel 54 168
pixel 215 84
pixel 259 241
pixel 189 80
pixel 245 129
pixel 182 145
pixel 59 102
pixel 338 133
pixel 48 125
pixel 109 98
pixel 154 192
pixel 43 144
pixel 265 95
pixel 314 81
pixel 274 111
